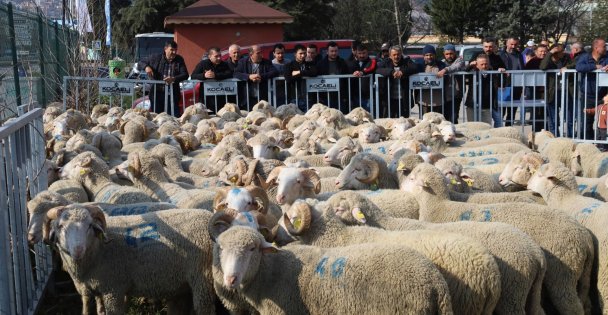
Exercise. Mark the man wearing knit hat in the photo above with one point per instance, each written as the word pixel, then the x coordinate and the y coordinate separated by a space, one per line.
pixel 453 63
pixel 384 53
pixel 430 99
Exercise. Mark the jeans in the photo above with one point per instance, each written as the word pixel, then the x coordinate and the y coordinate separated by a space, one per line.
pixel 497 117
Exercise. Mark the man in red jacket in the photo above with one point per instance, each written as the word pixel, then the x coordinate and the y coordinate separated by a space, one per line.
pixel 362 68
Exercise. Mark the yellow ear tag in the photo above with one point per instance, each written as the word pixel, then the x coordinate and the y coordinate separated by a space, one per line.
pixel 469 181
pixel 532 171
pixel 106 157
pixel 297 222
pixel 358 215
pixel 82 172
pixel 374 186
pixel 276 149
pixel 401 166
pixel 233 179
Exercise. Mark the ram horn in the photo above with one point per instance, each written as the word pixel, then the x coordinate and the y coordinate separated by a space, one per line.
pixel 248 176
pixel 51 215
pixel 313 177
pixel 302 221
pixel 272 177
pixel 242 169
pixel 259 193
pixel 99 218
pixel 374 171
pixel 219 222
pixel 219 202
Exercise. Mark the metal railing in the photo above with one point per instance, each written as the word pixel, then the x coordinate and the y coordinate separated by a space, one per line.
pixel 24 271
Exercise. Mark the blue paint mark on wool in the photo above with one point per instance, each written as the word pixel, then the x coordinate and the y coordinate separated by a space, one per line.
pixel 320 269
pixel 582 187
pixel 489 161
pixel 487 215
pixel 465 216
pixel 382 150
pixel 337 268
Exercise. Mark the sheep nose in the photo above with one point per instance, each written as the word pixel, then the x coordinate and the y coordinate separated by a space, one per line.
pixel 78 251
pixel 280 198
pixel 230 281
pixel 31 238
pixel 337 182
pixel 326 158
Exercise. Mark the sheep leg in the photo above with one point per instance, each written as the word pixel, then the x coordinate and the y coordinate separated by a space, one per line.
pixel 602 273
pixel 115 304
pixel 203 297
pixel 101 310
pixel 533 301
pixel 561 285
pixel 85 303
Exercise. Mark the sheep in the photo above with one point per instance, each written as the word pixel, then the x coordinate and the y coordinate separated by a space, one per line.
pixel 482 160
pixel 263 146
pixel 305 129
pixel 325 137
pixel 206 133
pixel 342 151
pixel 138 129
pixel 277 281
pixel 557 185
pixel 358 116
pixel 187 141
pixel 147 174
pixel 469 269
pixel 292 122
pixel 559 149
pixel 168 128
pixel 302 147
pixel 371 133
pixel 109 146
pixel 481 143
pixel 474 125
pixel 229 107
pixel 569 255
pixel 518 171
pixel 331 117
pixel 216 162
pixel 521 261
pixel 93 173
pixel 46 200
pixel 592 161
pixel 264 107
pixel 593 187
pixel 399 127
pixel 505 132
pixel 287 110
pixel 538 139
pixel 255 118
pixel 70 189
pixel 366 171
pixel 283 138
pixel 503 148
pixel 81 137
pixel 171 157
pixel 116 256
pixel 294 183
pixel 195 113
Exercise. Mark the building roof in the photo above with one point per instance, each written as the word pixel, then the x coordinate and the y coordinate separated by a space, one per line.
pixel 228 12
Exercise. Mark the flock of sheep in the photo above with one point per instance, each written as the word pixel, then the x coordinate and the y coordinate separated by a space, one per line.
pixel 276 211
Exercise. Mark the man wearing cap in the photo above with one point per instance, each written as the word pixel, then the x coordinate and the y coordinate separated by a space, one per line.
pixel 453 86
pixel 397 72
pixel 512 60
pixel 384 58
pixel 530 45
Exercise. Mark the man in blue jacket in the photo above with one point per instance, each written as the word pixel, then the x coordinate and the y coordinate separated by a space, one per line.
pixel 257 71
pixel 587 63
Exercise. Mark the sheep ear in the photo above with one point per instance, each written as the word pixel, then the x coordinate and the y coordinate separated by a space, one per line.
pixel 467 178
pixel 358 215
pixel 422 183
pixel 267 248
pixel 332 140
pixel 136 164
pixel 86 161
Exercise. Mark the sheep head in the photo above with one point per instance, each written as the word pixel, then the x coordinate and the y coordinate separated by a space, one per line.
pixel 297 220
pixel 361 173
pixel 347 206
pixel 550 175
pixel 37 209
pixel 426 178
pixel 241 199
pixel 358 116
pixel 83 165
pixel 345 147
pixel 73 228
pixel 295 183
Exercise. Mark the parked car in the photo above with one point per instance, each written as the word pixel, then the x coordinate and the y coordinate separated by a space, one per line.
pixel 468 51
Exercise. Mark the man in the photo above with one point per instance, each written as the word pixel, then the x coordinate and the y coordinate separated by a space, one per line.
pixel 539 54
pixel 256 70
pixel 212 68
pixel 586 64
pixel 312 54
pixel 279 62
pixel 398 71
pixel 489 48
pixel 489 87
pixel 512 60
pixel 384 55
pixel 333 64
pixel 171 68
pixel 530 93
pixel 294 72
pixel 530 46
pixel 234 52
pixel 352 58
pixel 430 99
pixel 453 85
pixel 361 68
pixel 556 59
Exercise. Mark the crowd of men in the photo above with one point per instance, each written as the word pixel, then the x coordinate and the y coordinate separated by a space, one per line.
pixel 396 68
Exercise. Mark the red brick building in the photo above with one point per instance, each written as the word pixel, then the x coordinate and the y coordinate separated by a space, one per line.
pixel 221 23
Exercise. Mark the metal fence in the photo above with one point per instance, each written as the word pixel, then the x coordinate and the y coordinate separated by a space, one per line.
pixel 24 271
pixel 33 58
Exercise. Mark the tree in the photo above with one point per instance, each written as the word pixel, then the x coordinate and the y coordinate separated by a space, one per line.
pixel 312 18
pixel 459 18
pixel 374 21
pixel 595 23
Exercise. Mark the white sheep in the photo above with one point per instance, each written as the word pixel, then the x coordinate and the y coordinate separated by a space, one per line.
pixel 93 173
pixel 366 171
pixel 558 186
pixel 520 260
pixel 115 257
pixel 307 280
pixel 592 161
pixel 469 269
pixel 71 190
pixel 568 246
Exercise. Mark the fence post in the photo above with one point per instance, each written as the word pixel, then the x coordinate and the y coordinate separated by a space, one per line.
pixel 41 53
pixel 11 35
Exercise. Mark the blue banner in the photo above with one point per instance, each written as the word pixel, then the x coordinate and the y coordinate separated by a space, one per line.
pixel 109 24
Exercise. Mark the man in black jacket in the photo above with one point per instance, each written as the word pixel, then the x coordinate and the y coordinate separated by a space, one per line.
pixel 257 71
pixel 171 68
pixel 333 64
pixel 397 72
pixel 212 68
pixel 294 71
